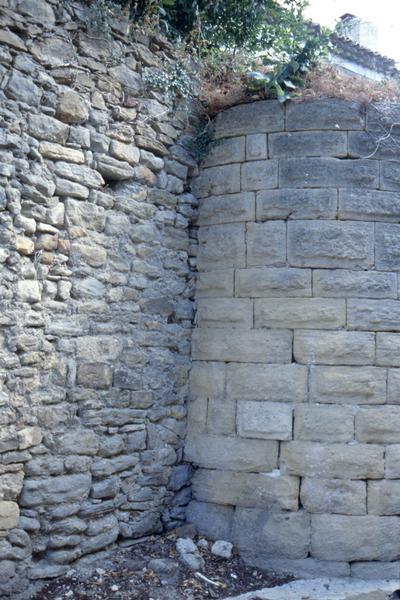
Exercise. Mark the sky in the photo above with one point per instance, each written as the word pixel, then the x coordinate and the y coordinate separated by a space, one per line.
pixel 385 13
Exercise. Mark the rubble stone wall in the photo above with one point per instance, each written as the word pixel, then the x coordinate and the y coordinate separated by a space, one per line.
pixel 94 290
pixel 294 418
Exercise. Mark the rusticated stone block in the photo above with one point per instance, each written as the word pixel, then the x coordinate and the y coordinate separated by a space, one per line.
pixel 225 312
pixel 375 570
pixel 238 345
pixel 384 497
pixel 224 152
pixel 299 313
pixel 212 520
pixel 388 349
pixel 379 425
pixel 330 244
pixel 221 416
pixel 296 203
pixel 227 209
pixel 272 533
pixel 326 113
pixel 348 385
pixel 307 143
pixel 315 423
pixel 266 244
pixel 221 247
pixel 259 175
pixel 217 180
pixel 390 175
pixel 272 383
pixel 334 347
pixel 328 172
pixel 265 420
pixel 373 315
pixel 54 490
pixel 392 462
pixel 355 537
pixel 9 515
pixel 332 461
pixel 263 490
pixel 233 454
pixel 393 386
pixel 387 246
pixel 336 496
pixel 260 117
pixel 215 284
pixel 303 568
pixel 94 375
pixel 272 282
pixel 197 415
pixel 256 146
pixel 207 380
pixel 369 205
pixel 340 283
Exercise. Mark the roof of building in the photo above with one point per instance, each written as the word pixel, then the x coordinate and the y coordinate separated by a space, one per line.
pixel 350 50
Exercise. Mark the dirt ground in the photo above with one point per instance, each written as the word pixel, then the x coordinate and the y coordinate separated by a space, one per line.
pixel 127 575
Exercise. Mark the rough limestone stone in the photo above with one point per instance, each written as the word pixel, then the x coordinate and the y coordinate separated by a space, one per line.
pixel 308 143
pixel 383 497
pixel 348 385
pixel 71 109
pixel 328 172
pixel 266 244
pixel 272 383
pixel 345 497
pixel 222 549
pixel 259 175
pixel 256 146
pixel 388 349
pixel 369 205
pixel 227 209
pixel 373 315
pixel 334 347
pixel 315 423
pixel 217 181
pixel 9 515
pixel 387 246
pixel 249 118
pixel 271 282
pixel 296 203
pixel 225 312
pixel 297 313
pixel 325 114
pixel 265 420
pixel 378 424
pixel 341 283
pixel 225 152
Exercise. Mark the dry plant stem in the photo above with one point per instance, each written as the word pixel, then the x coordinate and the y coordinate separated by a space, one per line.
pixel 381 140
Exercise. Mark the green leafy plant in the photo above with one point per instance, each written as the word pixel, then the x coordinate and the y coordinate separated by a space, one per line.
pixel 171 79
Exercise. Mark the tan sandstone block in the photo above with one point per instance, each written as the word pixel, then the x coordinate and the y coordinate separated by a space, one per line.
pixel 266 420
pixel 316 423
pixel 299 313
pixel 272 383
pixel 348 385
pixel 384 497
pixel 379 425
pixel 339 496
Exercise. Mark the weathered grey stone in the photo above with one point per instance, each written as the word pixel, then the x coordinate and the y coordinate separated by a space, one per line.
pixel 308 568
pixel 259 175
pixel 392 462
pixel 130 80
pixel 59 152
pixel 221 246
pixel 217 181
pixel 65 488
pixel 341 283
pixel 298 313
pixel 369 205
pixel 260 117
pixel 227 209
pixel 373 315
pixel 272 383
pixel 84 215
pixel 348 385
pixel 226 151
pixel 43 127
pixel 125 152
pixel 266 244
pixel 108 488
pixel 70 188
pixel 28 291
pixel 94 375
pixel 315 423
pixel 334 347
pixel 328 172
pixel 308 143
pixel 38 10
pixel 393 386
pixel 225 312
pixel 53 51
pixel 265 420
pixel 375 570
pixel 212 520
pixel 354 538
pixel 11 39
pixel 71 109
pixel 242 345
pixel 272 282
pixel 333 461
pixel 80 441
pixel 207 380
pixel 113 169
pixel 333 496
pixel 22 88
pixel 222 549
pixel 236 454
pixel 325 113
pixel 390 175
pixel 79 173
pixel 388 349
pixel 387 246
pixel 256 146
pixel 330 244
pixel 9 515
pixel 263 490
pixel 296 204
pixel 378 424
pixel 215 284
pixel 383 497
pixel 108 466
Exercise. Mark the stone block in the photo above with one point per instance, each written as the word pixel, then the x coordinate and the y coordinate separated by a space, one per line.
pixel 225 312
pixel 390 175
pixel 221 417
pixel 334 347
pixel 350 538
pixel 9 515
pixel 272 282
pixel 58 152
pixel 207 380
pixel 302 568
pixel 272 533
pixel 336 496
pixel 197 415
pixel 330 244
pixel 362 144
pixel 271 383
pixel 379 425
pixel 264 420
pixel 369 205
pixel 225 152
pixel 28 291
pixel 315 423
pixel 256 146
pixel 387 246
pixel 212 520
pixel 388 349
pixel 99 347
pixel 21 88
pixel 227 209
pixel 259 117
pixel 240 345
pixel 251 490
pixel 375 570
pixel 79 173
pixel 375 315
pixel 341 283
pixel 46 128
pixel 392 462
pixel 266 244
pixel 307 143
pixel 296 203
pixel 216 181
pixel 384 497
pixel 259 175
pixel 55 490
pixel 95 375
pixel 325 113
pixel 328 172
pixel 81 441
pixel 215 284
pixel 348 385
pixel 232 454
pixel 332 461
pixel 299 313
pixel 221 247
pixel 393 390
